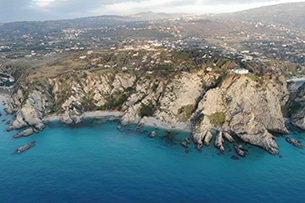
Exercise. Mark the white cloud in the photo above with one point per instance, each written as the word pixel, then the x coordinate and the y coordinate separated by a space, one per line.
pixel 42 4
pixel 131 7
pixel 20 10
pixel 180 6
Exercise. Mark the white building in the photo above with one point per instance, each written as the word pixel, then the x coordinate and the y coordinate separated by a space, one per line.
pixel 240 71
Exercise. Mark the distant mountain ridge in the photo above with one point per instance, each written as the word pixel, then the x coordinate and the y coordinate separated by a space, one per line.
pixel 289 14
pixel 154 16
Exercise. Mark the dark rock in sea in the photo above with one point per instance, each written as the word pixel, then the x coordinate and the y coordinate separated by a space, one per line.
pixel 184 144
pixel 234 157
pixel 294 142
pixel 240 150
pixel 280 156
pixel 220 153
pixel 153 134
pixel 169 139
pixel 24 133
pixel 199 146
pixel 188 140
pixel 8 123
pixel 302 153
pixel 188 151
pixel 25 147
pixel 199 149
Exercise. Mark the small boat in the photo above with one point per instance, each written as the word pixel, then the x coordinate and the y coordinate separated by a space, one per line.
pixel 25 147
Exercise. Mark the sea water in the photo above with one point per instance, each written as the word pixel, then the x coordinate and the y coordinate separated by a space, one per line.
pixel 96 162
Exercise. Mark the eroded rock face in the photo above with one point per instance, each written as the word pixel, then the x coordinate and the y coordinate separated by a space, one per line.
pixel 297 108
pixel 37 104
pixel 248 108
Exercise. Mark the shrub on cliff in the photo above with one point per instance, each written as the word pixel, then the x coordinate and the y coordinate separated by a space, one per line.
pixel 218 118
pixel 147 109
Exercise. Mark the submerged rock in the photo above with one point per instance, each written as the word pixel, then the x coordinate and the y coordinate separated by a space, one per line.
pixel 188 140
pixel 199 146
pixel 294 142
pixel 153 134
pixel 184 144
pixel 233 157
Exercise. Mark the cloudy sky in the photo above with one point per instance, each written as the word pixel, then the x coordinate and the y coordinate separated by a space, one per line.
pixel 24 10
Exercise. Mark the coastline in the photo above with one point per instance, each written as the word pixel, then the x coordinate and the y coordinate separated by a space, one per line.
pixel 89 114
pixel 146 121
pixel 153 122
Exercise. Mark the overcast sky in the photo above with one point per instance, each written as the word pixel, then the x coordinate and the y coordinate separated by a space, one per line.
pixel 25 10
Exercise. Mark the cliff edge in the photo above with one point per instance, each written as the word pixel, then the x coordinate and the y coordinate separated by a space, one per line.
pixel 203 95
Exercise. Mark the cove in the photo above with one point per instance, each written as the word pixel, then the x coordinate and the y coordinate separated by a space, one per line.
pixel 96 162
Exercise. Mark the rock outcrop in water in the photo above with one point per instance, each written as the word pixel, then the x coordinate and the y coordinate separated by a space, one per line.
pixel 247 107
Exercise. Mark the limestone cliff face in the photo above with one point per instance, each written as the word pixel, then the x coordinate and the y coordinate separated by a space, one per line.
pixel 245 107
pixel 173 101
pixel 297 107
pixel 30 109
pixel 248 107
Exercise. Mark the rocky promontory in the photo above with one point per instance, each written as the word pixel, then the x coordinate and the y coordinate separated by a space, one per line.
pixel 297 107
pixel 209 102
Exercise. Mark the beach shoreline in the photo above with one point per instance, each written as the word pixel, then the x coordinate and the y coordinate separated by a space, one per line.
pixel 86 115
pixel 4 98
pixel 111 115
pixel 146 121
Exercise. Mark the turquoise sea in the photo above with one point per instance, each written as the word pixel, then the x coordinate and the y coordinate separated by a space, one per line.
pixel 96 162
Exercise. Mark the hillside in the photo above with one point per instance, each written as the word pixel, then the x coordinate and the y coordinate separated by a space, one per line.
pixel 216 76
pixel 187 90
pixel 291 15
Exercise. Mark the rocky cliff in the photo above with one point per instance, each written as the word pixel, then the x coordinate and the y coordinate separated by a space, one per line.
pixel 245 106
pixel 235 107
pixel 297 106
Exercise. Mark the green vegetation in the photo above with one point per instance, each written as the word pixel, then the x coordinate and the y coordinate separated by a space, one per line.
pixel 115 101
pixel 294 107
pixel 257 79
pixel 185 112
pixel 88 102
pixel 147 109
pixel 218 118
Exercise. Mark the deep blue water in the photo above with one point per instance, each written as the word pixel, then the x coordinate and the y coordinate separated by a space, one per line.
pixel 96 162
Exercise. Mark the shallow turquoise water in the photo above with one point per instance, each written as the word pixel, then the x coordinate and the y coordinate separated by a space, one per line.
pixel 96 162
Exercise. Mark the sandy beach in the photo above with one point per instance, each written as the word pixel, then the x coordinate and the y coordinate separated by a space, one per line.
pixel 153 122
pixel 89 114
pixel 3 98
pixel 146 121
